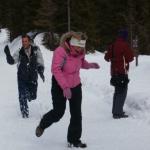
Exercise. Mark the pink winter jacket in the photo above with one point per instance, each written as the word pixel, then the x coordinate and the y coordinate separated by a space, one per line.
pixel 66 67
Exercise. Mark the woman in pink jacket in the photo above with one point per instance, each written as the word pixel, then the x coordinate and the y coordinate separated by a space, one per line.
pixel 67 61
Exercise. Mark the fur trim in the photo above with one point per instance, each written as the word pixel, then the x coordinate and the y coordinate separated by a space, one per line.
pixel 67 37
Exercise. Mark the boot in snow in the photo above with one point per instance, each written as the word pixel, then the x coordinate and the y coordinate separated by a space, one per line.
pixel 39 131
pixel 78 145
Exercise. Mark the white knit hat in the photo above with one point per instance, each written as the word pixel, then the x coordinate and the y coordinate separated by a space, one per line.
pixel 76 42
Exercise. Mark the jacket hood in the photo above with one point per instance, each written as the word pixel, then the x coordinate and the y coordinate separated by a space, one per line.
pixel 67 37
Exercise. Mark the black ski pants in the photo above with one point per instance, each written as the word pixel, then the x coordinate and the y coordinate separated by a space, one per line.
pixel 119 99
pixel 59 106
pixel 27 92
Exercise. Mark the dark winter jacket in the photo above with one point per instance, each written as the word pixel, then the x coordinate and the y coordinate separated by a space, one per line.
pixel 28 68
pixel 119 54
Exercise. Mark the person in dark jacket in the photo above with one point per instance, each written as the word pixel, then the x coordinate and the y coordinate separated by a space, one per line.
pixel 30 62
pixel 119 55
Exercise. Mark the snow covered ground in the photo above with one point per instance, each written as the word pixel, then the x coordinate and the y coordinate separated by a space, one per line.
pixel 100 131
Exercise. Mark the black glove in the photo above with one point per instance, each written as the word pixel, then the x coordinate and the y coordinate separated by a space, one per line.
pixel 40 69
pixel 9 58
pixel 41 72
pixel 6 50
pixel 42 76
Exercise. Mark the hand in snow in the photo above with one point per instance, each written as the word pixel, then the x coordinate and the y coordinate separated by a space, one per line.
pixel 67 93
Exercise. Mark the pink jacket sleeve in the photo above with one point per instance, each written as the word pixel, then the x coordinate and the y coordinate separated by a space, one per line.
pixel 85 64
pixel 58 61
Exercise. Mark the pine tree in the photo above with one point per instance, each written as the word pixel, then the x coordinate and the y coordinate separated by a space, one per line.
pixel 83 18
pixel 45 15
pixel 60 17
